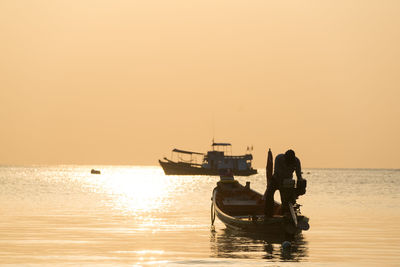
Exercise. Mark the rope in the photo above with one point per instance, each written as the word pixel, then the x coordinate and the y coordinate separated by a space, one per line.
pixel 212 213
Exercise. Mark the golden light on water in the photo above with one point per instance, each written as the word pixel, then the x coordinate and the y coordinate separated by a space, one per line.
pixel 137 216
pixel 135 191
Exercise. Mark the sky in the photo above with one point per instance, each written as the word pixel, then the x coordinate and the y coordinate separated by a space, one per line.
pixel 125 82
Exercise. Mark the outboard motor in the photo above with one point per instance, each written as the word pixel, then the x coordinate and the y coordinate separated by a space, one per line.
pixel 301 187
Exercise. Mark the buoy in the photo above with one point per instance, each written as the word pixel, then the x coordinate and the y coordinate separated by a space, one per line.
pixel 286 244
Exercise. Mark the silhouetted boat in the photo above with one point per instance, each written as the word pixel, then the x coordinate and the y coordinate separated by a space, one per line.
pixel 242 208
pixel 211 163
pixel 93 171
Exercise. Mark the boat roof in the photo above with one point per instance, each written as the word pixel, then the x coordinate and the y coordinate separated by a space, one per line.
pixel 221 144
pixel 186 152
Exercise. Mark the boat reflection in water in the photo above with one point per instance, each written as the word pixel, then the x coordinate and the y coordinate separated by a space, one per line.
pixel 228 243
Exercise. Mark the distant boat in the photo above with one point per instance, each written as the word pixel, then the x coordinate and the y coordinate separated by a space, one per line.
pixel 93 171
pixel 241 208
pixel 211 163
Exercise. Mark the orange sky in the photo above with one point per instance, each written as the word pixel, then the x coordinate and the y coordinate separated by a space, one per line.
pixel 124 82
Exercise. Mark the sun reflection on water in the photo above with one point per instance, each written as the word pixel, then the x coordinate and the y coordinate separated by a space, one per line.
pixel 135 191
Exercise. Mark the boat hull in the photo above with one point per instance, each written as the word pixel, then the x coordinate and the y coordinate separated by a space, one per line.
pixel 274 226
pixel 180 168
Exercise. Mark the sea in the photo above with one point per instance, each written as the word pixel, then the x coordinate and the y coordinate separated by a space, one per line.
pixel 136 216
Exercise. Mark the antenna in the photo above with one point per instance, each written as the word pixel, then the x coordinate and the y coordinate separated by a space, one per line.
pixel 213 127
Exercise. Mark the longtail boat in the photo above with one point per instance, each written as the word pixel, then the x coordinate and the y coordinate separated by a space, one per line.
pixel 241 208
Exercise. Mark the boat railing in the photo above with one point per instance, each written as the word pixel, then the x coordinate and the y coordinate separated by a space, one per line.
pixel 191 160
pixel 222 147
pixel 193 156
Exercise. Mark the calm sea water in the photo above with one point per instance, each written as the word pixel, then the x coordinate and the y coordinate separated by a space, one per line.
pixel 137 216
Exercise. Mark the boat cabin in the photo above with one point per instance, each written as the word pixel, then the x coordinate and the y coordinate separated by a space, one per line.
pixel 221 158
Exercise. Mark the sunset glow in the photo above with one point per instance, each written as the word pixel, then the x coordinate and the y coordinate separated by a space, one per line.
pixel 124 82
